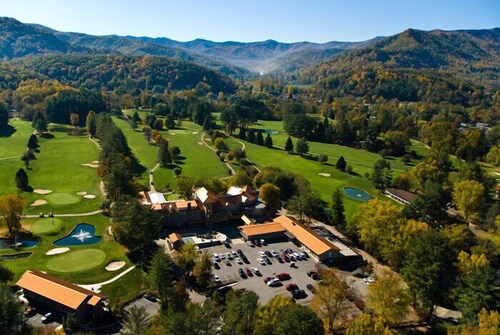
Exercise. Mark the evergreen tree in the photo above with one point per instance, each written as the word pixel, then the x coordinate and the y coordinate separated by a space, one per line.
pixel 268 142
pixel 164 155
pixel 341 164
pixel 169 122
pixel 22 181
pixel 320 132
pixel 338 212
pixel 4 116
pixel 382 174
pixel 289 145
pixel 259 139
pixel 302 147
pixel 243 133
pixel 39 122
pixel 12 321
pixel 90 124
pixel 33 142
pixel 251 135
pixel 208 123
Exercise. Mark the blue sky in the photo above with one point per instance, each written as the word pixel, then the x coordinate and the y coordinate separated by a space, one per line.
pixel 255 20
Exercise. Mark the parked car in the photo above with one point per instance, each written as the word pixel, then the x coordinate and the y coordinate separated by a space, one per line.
pixel 257 243
pixel 216 258
pixel 289 251
pixel 303 255
pixel 311 288
pixel 234 253
pixel 285 258
pixel 250 244
pixel 261 261
pixel 267 260
pixel 229 255
pixel 262 253
pixel 273 252
pixel 216 279
pixel 256 271
pixel 239 252
pixel 263 242
pixel 292 257
pixel 150 296
pixel 248 272
pixel 369 280
pixel 314 275
pixel 279 259
pixel 283 276
pixel 292 265
pixel 297 294
pixel 267 279
pixel 227 244
pixel 274 282
pixel 46 318
pixel 30 311
pixel 216 265
pixel 291 287
pixel 228 263
pixel 238 260
pixel 268 253
pixel 242 273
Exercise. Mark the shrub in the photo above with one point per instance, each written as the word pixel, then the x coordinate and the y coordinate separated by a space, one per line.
pixel 349 169
pixel 177 171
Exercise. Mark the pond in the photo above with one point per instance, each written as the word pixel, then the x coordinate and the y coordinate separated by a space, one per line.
pixel 6 243
pixel 82 234
pixel 271 132
pixel 357 194
pixel 15 256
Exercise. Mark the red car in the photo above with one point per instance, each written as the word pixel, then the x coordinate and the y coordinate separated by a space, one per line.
pixel 285 258
pixel 249 273
pixel 314 275
pixel 257 243
pixel 292 287
pixel 283 276
pixel 267 279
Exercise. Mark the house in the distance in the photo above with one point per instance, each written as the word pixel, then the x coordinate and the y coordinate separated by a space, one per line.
pixel 59 295
pixel 401 196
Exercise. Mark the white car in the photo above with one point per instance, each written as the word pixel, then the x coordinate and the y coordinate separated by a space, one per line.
pixel 274 253
pixel 369 280
pixel 255 271
pixel 228 255
pixel 234 253
pixel 263 242
pixel 46 318
pixel 216 279
pixel 238 260
pixel 262 253
pixel 222 256
pixel 273 282
pixel 261 261
pixel 216 258
pixel 297 256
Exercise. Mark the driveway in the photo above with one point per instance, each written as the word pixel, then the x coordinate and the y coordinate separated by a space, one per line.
pixel 152 308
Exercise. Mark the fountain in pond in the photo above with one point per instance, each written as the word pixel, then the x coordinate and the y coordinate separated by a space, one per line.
pixel 82 234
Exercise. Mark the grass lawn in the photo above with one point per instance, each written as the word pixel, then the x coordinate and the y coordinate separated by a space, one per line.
pixel 58 167
pixel 47 226
pixel 196 160
pixel 127 287
pixel 77 261
pixel 78 265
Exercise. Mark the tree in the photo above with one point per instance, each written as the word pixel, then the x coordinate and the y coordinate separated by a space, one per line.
pixel 396 142
pixel 220 144
pixel 302 147
pixel 22 181
pixel 187 257
pixel 202 271
pixel 175 151
pixel 147 133
pixel 243 133
pixel 27 157
pixel 289 145
pixel 164 155
pixel 177 171
pixel 136 322
pixel 169 122
pixel 90 124
pixel 493 156
pixel 329 299
pixel 241 178
pixel 268 314
pixel 208 123
pixel 338 211
pixel 259 139
pixel 4 116
pixel 322 158
pixel 251 135
pixel 468 195
pixel 5 274
pixel 185 187
pixel 305 204
pixel 296 319
pixel 426 269
pixel 161 276
pixel 239 316
pixel 382 174
pixel 388 299
pixel 39 122
pixel 161 109
pixel 11 210
pixel 271 195
pixel 33 142
pixel 203 319
pixel 341 164
pixel 12 321
pixel 403 181
pixel 429 205
pixel 268 142
pixel 74 119
pixel 366 324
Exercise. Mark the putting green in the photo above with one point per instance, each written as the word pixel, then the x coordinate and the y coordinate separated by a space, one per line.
pixel 77 261
pixel 47 226
pixel 62 198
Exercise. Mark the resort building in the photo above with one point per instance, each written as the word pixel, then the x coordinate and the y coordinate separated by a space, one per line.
pixel 401 196
pixel 60 295
pixel 184 213
pixel 271 232
pixel 156 200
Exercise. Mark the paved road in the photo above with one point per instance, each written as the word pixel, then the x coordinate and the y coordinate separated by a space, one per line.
pixel 68 215
pixel 97 287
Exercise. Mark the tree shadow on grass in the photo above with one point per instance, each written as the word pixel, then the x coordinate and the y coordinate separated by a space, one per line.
pixel 47 136
pixel 8 131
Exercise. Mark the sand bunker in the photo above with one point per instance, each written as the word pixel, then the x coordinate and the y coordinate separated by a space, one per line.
pixel 113 266
pixel 324 174
pixel 39 202
pixel 89 196
pixel 41 191
pixel 91 165
pixel 199 143
pixel 57 251
pixel 195 132
pixel 81 193
pixel 208 139
pixel 95 162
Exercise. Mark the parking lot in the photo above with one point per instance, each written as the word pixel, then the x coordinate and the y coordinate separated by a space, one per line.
pixel 229 273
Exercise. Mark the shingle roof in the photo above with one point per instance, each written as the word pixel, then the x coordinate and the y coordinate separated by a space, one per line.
pixel 263 228
pixel 57 290
pixel 174 237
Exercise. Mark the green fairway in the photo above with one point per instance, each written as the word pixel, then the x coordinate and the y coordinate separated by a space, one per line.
pixel 77 261
pixel 47 226
pixel 57 167
pixel 196 159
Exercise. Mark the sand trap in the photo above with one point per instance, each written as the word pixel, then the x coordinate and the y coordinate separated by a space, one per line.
pixel 195 132
pixel 81 193
pixel 41 191
pixel 89 196
pixel 199 143
pixel 91 165
pixel 113 266
pixel 39 202
pixel 95 162
pixel 57 251
pixel 208 139
pixel 325 174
